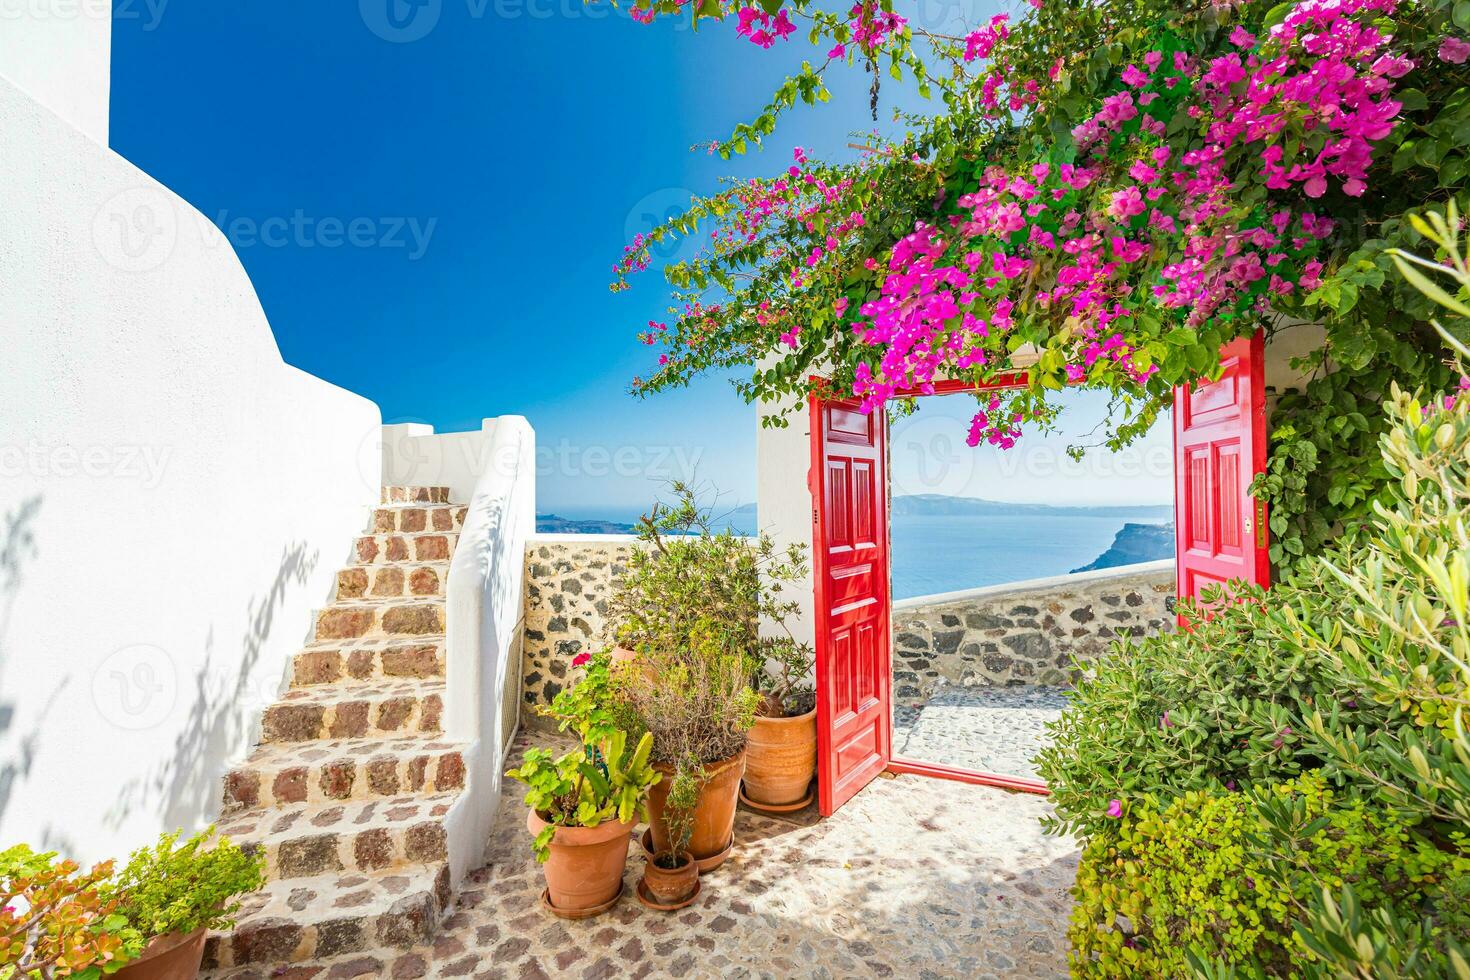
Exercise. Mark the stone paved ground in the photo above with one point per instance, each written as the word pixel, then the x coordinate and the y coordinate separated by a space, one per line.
pixel 988 729
pixel 914 878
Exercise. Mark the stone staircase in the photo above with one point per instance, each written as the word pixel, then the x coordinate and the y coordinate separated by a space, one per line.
pixel 348 790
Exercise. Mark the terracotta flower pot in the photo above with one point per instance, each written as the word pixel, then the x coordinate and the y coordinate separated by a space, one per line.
pixel 622 655
pixel 781 758
pixel 714 814
pixel 585 870
pixel 671 888
pixel 175 956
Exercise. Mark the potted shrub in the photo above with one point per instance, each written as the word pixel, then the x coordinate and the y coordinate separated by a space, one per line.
pixel 691 605
pixel 781 754
pixel 671 875
pixel 57 922
pixel 174 895
pixel 582 810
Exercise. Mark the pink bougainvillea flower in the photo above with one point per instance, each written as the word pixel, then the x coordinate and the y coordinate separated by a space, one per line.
pixel 1454 50
pixel 1115 809
pixel 1242 38
pixel 581 658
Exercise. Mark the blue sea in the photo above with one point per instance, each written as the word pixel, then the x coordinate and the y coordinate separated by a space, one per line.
pixel 946 553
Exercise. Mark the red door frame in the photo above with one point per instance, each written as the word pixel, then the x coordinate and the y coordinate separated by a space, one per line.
pixel 856 724
pixel 896 765
pixel 1248 351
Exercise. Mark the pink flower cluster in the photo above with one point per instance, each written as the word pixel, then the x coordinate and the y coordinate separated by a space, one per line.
pixel 1082 243
pixel 762 28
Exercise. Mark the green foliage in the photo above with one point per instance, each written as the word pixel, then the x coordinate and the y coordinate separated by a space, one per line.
pixel 690 580
pixel 56 922
pixel 166 889
pixel 591 707
pixel 1223 877
pixel 1353 675
pixel 684 790
pixel 583 787
pixel 1173 713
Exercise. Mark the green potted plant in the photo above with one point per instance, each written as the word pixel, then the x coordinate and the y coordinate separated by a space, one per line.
pixel 55 921
pixel 671 875
pixel 173 895
pixel 583 806
pixel 781 756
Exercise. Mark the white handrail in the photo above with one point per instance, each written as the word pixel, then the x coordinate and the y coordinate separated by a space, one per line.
pixel 483 626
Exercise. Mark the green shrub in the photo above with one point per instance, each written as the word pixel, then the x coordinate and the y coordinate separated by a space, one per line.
pixel 1216 706
pixel 1225 877
pixel 1356 672
pixel 166 889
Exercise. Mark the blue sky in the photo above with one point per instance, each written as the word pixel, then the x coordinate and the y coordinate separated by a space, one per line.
pixel 494 155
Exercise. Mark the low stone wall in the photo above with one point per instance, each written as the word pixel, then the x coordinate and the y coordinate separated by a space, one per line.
pixel 569 580
pixel 1025 632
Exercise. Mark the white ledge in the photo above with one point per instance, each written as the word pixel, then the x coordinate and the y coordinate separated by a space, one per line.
pixel 1037 585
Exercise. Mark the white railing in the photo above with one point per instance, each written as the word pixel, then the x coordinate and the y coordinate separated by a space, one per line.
pixel 484 618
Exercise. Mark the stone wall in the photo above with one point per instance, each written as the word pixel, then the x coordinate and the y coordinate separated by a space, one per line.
pixel 569 580
pixel 1023 633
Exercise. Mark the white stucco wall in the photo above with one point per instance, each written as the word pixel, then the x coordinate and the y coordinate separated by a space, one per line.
pixel 174 498
pixel 784 504
pixel 60 53
pixel 414 455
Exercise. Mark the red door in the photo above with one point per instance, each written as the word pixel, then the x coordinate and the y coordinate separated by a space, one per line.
pixel 849 483
pixel 1219 447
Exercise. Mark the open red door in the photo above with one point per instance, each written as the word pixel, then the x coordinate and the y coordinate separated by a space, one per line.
pixel 1219 447
pixel 849 484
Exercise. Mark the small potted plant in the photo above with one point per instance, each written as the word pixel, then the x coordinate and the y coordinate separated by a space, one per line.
pixel 55 921
pixel 174 895
pixel 781 755
pixel 671 876
pixel 583 806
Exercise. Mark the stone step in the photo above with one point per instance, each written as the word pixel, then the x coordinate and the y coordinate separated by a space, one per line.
pixel 426 495
pixel 360 835
pixel 402 617
pixel 414 518
pixel 381 549
pixel 292 920
pixel 281 774
pixel 355 710
pixel 390 581
pixel 368 658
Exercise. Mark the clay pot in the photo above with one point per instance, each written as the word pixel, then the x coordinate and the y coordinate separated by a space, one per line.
pixel 781 758
pixel 714 814
pixel 622 655
pixel 175 956
pixel 585 870
pixel 670 889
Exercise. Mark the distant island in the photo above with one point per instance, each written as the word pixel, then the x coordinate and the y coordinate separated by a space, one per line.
pixel 740 519
pixel 1135 543
pixel 554 524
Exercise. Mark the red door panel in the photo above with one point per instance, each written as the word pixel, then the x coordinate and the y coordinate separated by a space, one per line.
pixel 850 567
pixel 1219 447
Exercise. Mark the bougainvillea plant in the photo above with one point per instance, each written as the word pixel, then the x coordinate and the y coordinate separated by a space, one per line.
pixel 1107 192
pixel 56 921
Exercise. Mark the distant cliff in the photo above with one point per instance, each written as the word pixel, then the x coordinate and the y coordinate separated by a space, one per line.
pixel 1133 544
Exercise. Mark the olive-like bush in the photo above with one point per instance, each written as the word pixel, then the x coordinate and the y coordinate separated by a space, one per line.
pixel 1220 877
pixel 1346 687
